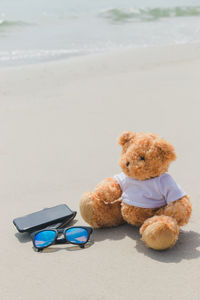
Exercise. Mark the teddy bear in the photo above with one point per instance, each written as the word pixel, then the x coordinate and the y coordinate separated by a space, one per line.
pixel 144 194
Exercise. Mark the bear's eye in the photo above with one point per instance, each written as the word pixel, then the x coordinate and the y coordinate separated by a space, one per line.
pixel 127 164
pixel 142 158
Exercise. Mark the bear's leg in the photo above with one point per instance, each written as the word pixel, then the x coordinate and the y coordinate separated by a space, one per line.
pixel 98 214
pixel 160 232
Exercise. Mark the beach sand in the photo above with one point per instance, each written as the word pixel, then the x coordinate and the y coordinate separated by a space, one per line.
pixel 59 124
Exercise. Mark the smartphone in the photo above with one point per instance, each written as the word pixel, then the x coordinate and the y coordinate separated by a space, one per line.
pixel 57 216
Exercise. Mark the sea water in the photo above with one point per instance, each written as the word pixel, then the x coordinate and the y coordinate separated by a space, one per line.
pixel 41 30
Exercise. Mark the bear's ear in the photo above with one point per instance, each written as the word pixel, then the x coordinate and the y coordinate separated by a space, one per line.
pixel 126 137
pixel 165 149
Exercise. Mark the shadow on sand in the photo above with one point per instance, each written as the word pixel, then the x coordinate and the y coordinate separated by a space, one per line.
pixel 185 248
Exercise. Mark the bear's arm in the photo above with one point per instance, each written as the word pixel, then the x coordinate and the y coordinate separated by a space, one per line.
pixel 180 209
pixel 178 203
pixel 108 190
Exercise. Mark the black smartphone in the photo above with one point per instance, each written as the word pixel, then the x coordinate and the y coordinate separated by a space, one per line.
pixel 58 216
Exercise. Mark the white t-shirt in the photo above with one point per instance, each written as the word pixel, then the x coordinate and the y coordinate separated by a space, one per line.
pixel 150 193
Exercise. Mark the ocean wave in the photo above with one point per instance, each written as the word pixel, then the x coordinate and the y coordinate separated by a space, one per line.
pixel 149 14
pixel 8 24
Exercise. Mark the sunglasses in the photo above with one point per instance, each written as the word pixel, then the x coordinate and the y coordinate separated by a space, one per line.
pixel 77 235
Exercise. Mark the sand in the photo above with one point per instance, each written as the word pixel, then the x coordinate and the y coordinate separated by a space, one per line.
pixel 59 124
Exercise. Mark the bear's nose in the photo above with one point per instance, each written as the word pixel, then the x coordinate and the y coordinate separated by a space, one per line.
pixel 127 164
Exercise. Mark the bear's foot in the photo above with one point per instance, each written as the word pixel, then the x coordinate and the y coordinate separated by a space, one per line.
pixel 160 232
pixel 99 214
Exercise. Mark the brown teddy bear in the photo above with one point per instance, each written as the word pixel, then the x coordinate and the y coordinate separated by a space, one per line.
pixel 143 194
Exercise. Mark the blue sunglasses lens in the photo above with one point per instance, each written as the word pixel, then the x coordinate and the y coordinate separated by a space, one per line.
pixel 44 238
pixel 77 235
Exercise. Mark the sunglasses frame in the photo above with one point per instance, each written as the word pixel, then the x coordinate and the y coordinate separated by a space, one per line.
pixel 61 240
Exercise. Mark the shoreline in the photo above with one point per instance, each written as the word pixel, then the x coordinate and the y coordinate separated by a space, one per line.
pixel 184 51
